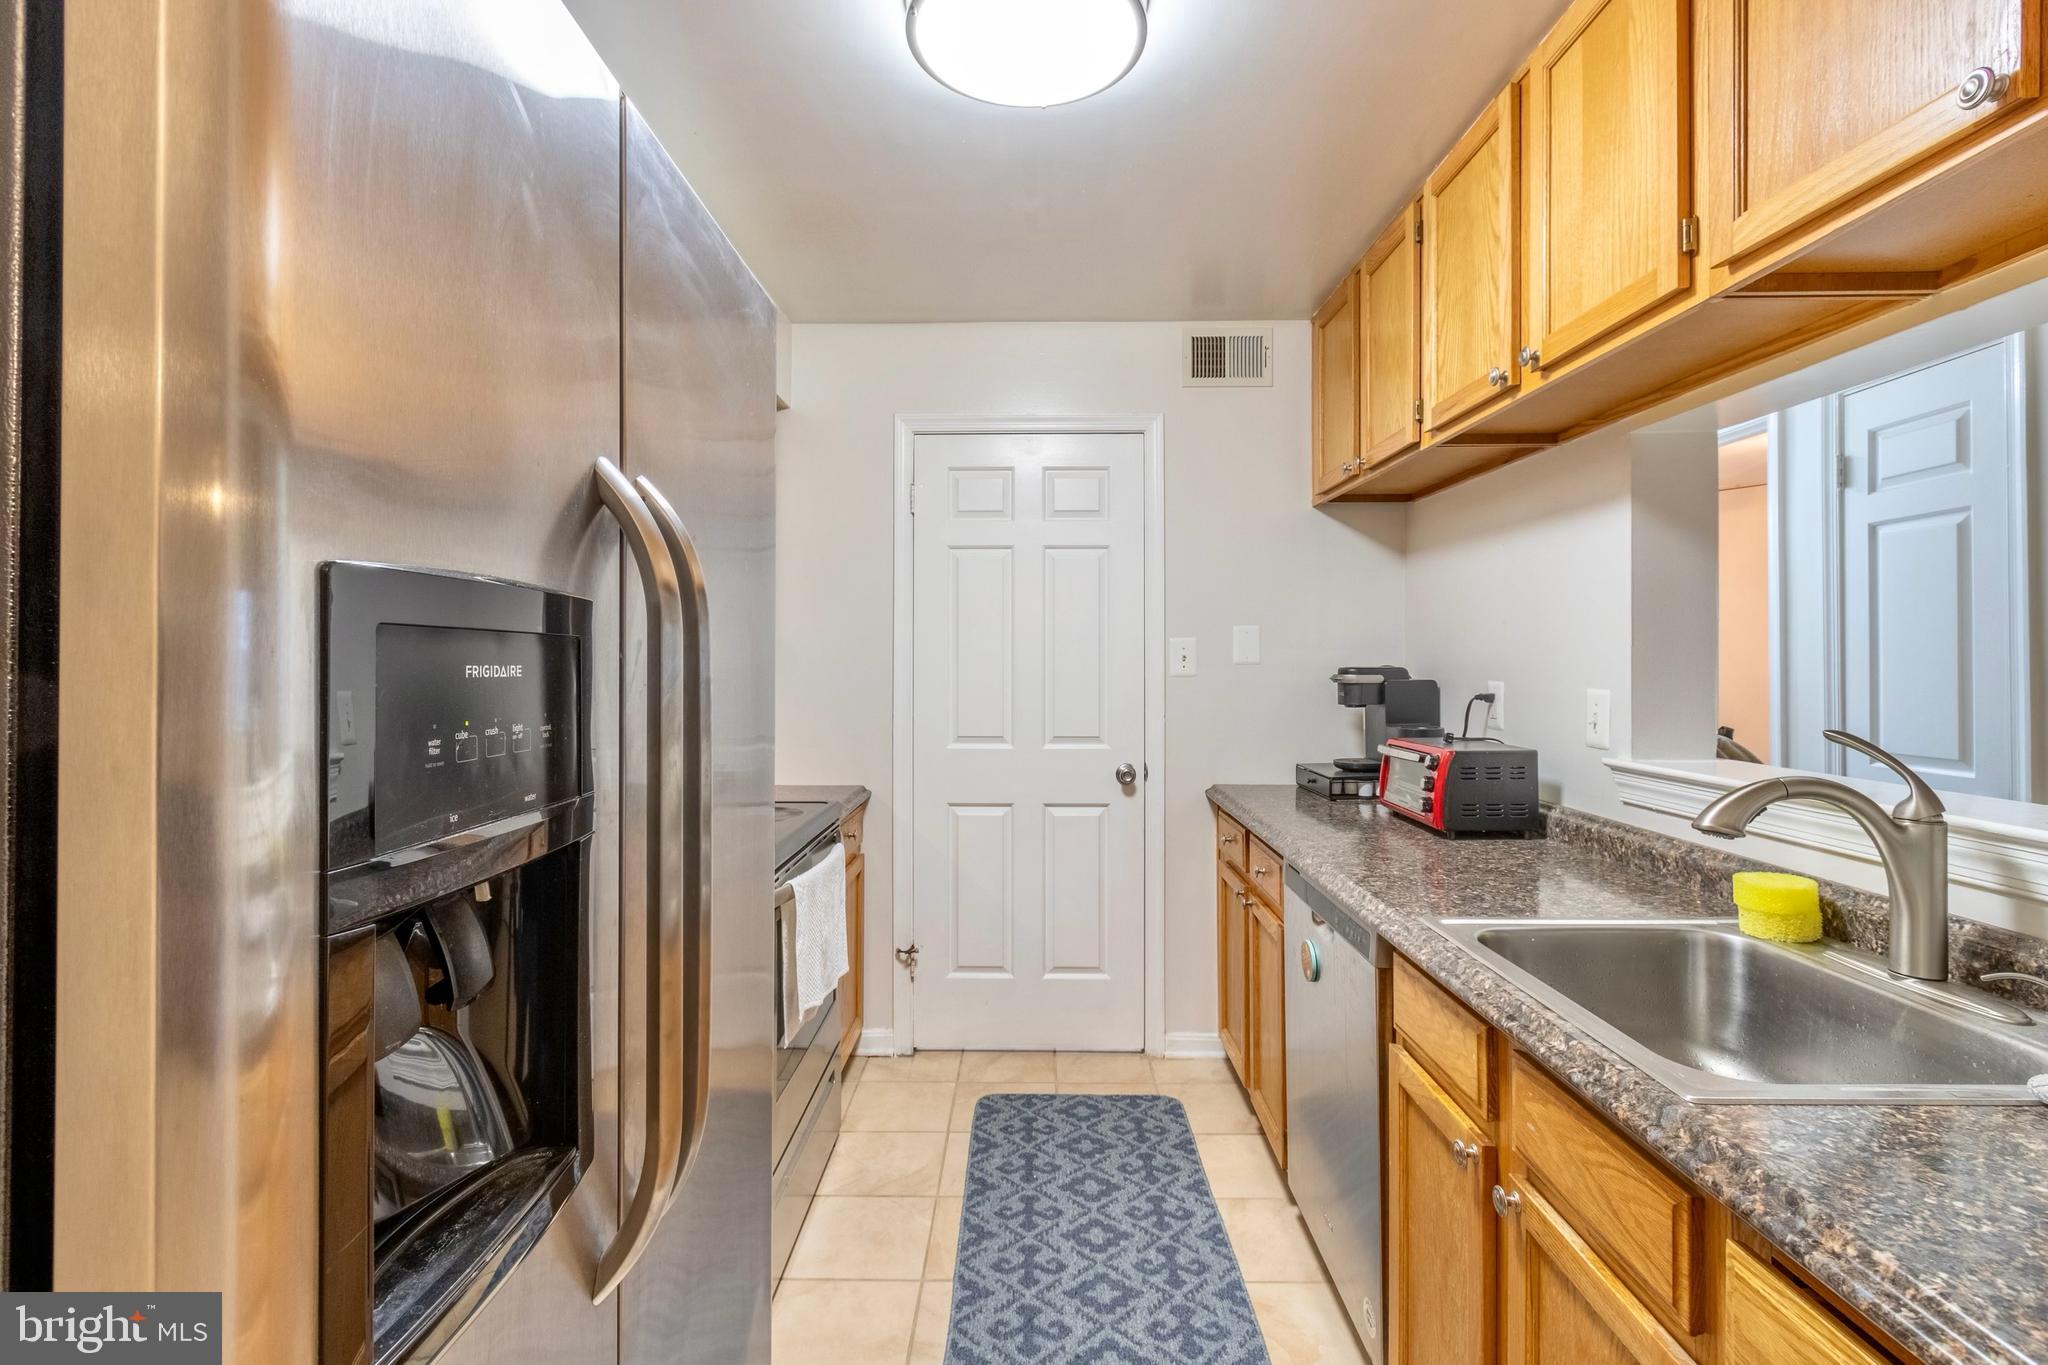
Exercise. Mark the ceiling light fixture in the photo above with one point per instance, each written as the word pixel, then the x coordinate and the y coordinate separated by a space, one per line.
pixel 1027 53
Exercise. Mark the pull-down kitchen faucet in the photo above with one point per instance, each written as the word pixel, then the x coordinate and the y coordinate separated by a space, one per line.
pixel 1911 839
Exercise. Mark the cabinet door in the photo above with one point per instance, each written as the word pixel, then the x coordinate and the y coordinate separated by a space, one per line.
pixel 1767 1318
pixel 1390 341
pixel 850 985
pixel 1335 401
pixel 1269 1027
pixel 1440 1225
pixel 1609 171
pixel 1812 102
pixel 1471 259
pixel 1233 971
pixel 1558 1302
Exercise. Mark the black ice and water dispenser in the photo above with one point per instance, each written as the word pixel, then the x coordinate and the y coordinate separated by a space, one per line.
pixel 456 1113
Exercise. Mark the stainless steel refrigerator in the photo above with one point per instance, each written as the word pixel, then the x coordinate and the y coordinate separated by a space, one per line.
pixel 347 285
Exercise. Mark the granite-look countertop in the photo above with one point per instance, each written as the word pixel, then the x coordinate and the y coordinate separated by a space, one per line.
pixel 1932 1221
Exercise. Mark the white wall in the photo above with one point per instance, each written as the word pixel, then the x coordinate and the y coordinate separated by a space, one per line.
pixel 1522 577
pixel 1243 547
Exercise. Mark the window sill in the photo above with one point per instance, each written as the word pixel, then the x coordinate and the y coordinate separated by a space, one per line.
pixel 1994 845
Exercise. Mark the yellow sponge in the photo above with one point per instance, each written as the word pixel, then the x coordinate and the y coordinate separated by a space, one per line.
pixel 1778 906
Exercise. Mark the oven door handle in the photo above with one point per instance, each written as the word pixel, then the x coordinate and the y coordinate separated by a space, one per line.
pixel 695 746
pixel 657 958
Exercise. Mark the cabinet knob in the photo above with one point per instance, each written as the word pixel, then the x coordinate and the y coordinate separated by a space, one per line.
pixel 1981 87
pixel 1505 1203
pixel 1258 872
pixel 1463 1152
pixel 1529 357
pixel 1496 376
pixel 1351 466
pixel 1228 840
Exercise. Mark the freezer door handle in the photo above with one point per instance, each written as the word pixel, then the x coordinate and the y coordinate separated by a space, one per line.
pixel 658 957
pixel 695 737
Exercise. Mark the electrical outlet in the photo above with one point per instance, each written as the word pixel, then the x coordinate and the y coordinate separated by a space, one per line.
pixel 1497 719
pixel 1180 656
pixel 1599 708
pixel 1244 644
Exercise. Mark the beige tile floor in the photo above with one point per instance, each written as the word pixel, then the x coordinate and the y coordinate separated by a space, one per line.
pixel 871 1279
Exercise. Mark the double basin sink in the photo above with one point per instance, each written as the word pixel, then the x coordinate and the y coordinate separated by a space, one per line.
pixel 1720 1017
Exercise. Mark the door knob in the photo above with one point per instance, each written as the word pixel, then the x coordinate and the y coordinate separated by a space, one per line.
pixel 1126 774
pixel 1980 88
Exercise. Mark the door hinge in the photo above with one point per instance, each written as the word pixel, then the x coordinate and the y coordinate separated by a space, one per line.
pixel 913 500
pixel 1842 470
pixel 908 957
pixel 1418 409
pixel 1418 232
pixel 1689 235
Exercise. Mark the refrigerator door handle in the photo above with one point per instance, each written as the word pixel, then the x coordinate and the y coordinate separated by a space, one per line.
pixel 695 735
pixel 658 958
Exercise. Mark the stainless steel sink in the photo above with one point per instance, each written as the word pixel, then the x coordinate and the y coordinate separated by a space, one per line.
pixel 1721 1017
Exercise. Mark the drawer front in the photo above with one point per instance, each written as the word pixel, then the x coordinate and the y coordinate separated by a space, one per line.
pixel 1642 1221
pixel 1450 1040
pixel 1262 869
pixel 1766 1319
pixel 1230 837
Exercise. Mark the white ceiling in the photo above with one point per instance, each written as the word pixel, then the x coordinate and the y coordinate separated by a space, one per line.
pixel 1235 173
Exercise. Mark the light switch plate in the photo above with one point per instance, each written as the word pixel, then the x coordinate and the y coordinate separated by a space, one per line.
pixel 1244 644
pixel 1180 656
pixel 1599 709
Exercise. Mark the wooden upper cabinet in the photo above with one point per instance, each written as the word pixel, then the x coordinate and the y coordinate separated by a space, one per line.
pixel 1334 418
pixel 1390 335
pixel 1471 258
pixel 1609 171
pixel 1812 102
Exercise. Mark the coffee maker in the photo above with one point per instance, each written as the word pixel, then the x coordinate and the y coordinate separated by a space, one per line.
pixel 1395 705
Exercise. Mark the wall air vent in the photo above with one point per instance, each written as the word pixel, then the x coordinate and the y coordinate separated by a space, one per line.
pixel 1226 358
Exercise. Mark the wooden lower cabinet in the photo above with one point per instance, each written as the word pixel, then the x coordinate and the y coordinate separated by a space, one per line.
pixel 1440 1224
pixel 850 987
pixel 1560 1302
pixel 1251 975
pixel 1536 1233
pixel 1268 1082
pixel 1233 970
pixel 1771 1319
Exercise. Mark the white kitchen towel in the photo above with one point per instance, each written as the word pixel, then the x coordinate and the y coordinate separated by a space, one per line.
pixel 820 931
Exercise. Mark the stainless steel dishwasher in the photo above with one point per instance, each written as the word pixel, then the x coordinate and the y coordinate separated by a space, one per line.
pixel 1336 989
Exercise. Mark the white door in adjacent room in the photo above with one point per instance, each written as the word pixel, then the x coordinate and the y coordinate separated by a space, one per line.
pixel 1028 695
pixel 1933 644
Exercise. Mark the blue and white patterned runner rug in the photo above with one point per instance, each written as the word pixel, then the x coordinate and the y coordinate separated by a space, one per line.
pixel 1088 1236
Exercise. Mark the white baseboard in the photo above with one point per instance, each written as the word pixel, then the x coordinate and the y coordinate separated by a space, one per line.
pixel 876 1042
pixel 1192 1045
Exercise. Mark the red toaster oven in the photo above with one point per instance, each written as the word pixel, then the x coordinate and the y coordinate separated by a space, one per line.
pixel 1461 786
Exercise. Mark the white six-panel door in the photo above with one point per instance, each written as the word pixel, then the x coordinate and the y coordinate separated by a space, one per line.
pixel 1928 582
pixel 1028 654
